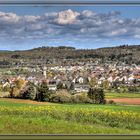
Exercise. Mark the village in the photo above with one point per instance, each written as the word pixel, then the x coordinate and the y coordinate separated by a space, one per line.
pixel 79 77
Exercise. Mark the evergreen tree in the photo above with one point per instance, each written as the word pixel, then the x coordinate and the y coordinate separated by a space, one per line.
pixel 42 91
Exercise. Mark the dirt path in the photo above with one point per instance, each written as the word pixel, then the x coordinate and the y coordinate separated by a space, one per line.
pixel 24 101
pixel 131 101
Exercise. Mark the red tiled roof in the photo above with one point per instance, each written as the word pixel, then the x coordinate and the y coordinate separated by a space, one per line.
pixel 137 77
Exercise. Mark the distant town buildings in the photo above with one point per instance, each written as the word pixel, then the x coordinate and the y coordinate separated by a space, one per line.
pixel 80 75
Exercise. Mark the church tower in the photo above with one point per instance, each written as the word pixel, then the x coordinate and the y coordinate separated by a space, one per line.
pixel 45 72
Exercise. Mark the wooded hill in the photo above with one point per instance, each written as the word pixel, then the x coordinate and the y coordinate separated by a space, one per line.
pixel 47 55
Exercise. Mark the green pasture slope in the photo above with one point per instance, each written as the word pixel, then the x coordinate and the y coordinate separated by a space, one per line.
pixel 22 118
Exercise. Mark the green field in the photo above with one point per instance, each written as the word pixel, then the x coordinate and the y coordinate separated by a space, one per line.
pixel 22 118
pixel 122 95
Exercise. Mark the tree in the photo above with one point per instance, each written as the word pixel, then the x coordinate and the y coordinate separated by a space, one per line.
pixel 14 92
pixel 29 92
pixel 60 85
pixel 71 86
pixel 93 82
pixel 6 88
pixel 33 91
pixel 16 88
pixel 97 95
pixel 106 84
pixel 20 83
pixel 42 91
pixel 1 87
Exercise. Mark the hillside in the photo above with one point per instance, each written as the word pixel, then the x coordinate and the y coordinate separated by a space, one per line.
pixel 61 54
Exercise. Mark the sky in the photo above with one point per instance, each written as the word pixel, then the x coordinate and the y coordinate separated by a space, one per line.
pixel 82 27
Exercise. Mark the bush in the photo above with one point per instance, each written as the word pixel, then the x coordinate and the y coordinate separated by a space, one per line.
pixel 96 95
pixel 122 89
pixel 48 95
pixel 111 102
pixel 81 98
pixel 72 92
pixel 133 89
pixel 62 96
pixel 4 94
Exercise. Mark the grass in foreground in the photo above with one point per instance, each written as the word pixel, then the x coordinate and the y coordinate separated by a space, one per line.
pixel 21 118
pixel 49 125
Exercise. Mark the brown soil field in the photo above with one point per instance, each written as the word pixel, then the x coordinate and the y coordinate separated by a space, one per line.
pixel 131 101
pixel 25 101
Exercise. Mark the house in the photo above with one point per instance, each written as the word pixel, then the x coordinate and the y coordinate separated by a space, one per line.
pixel 6 84
pixel 110 79
pixel 52 87
pixel 138 67
pixel 137 78
pixel 80 80
pixel 81 88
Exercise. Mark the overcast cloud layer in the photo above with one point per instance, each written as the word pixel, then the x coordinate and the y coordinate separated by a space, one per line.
pixel 80 25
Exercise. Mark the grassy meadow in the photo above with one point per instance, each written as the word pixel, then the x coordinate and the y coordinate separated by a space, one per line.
pixel 50 118
pixel 122 95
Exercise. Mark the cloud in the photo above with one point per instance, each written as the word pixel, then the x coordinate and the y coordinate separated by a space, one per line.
pixel 68 23
pixel 87 13
pixel 66 17
pixel 31 19
pixel 9 18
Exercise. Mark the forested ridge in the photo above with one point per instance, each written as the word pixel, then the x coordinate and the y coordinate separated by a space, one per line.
pixel 128 54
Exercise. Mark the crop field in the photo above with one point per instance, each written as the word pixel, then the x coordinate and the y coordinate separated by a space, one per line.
pixel 48 118
pixel 124 98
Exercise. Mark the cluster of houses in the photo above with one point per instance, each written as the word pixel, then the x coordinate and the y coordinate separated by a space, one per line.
pixel 81 74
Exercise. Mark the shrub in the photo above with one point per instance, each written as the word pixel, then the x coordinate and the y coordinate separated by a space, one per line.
pixel 62 96
pixel 111 102
pixel 4 94
pixel 133 89
pixel 122 89
pixel 97 95
pixel 55 98
pixel 72 92
pixel 81 98
pixel 48 95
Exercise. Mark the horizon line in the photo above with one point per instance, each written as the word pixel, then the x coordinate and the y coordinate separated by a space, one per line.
pixel 76 48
